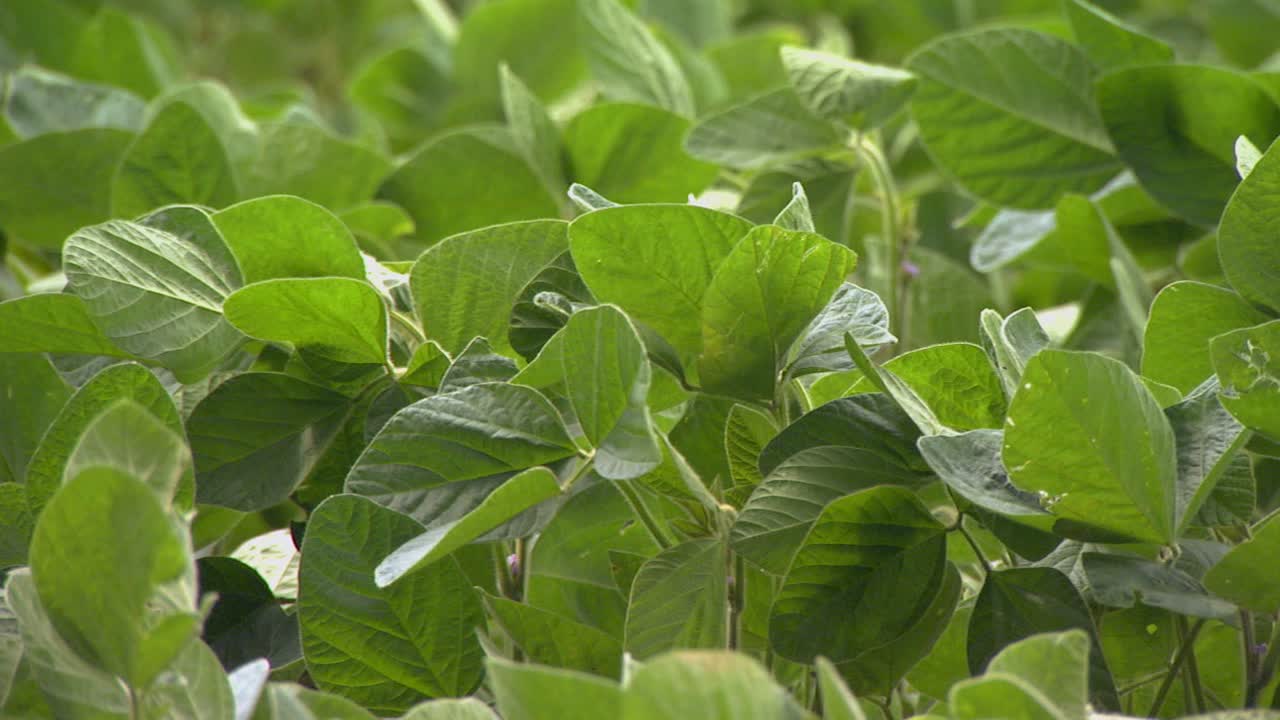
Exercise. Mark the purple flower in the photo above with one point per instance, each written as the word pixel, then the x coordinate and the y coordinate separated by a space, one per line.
pixel 910 269
pixel 513 566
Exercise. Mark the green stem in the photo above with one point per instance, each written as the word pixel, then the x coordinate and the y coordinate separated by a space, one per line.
pixel 1184 649
pixel 646 517
pixel 886 253
pixel 973 543
pixel 407 323
pixel 580 471
pixel 737 599
pixel 1191 670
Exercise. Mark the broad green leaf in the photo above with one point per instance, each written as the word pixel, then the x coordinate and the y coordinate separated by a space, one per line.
pixel 466 709
pixel 1248 366
pixel 1056 664
pixel 494 34
pixel 1078 239
pixel 827 184
pixel 946 664
pixel 944 300
pixel 837 702
pixel 31 397
pixel 956 382
pixel 859 94
pixel 40 101
pixel 385 648
pixel 466 179
pixel 1185 157
pixel 534 132
pixel 466 285
pixel 127 437
pixel 797 215
pixel 678 600
pixel 117 48
pixel 178 158
pixel 866 572
pixel 635 153
pixel 747 431
pixel 1110 42
pixel 127 381
pixel 247 621
pixel 751 61
pixel 405 90
pixel 606 378
pixel 761 298
pixel 782 509
pixel 156 289
pixel 16 524
pixel 1010 235
pixel 476 364
pixel 761 132
pixel 220 109
pixel 1017 603
pixel 1184 318
pixel 706 685
pixel 1012 342
pixel 550 639
pixel 76 537
pixel 1207 439
pixel 257 435
pixel 1247 156
pixel 628 61
pixel 969 464
pixel 282 236
pixel 71 684
pixel 195 686
pixel 545 304
pixel 821 346
pixel 437 459
pixel 656 263
pixel 301 159
pixel 538 692
pixel 871 421
pixel 1029 130
pixel 337 318
pixel 52 322
pixel 1247 253
pixel 1001 695
pixel 509 499
pixel 55 183
pixel 1122 580
pixel 1236 576
pixel 1086 434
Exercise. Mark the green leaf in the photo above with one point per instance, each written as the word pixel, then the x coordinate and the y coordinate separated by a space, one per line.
pixel 127 437
pixel 634 154
pixel 126 381
pixel 467 285
pixel 537 692
pixel 55 183
pixel 437 459
pixel 16 525
pixel 1184 318
pixel 178 158
pixel 76 537
pixel 31 397
pixel 1017 603
pixel 1110 42
pixel 70 683
pixel 946 664
pixel 747 431
pixel 1030 131
pixel 385 648
pixel 40 101
pixel 247 621
pixel 852 310
pixel 628 61
pixel 1000 695
pixel 761 132
pixel 837 702
pixel 606 378
pixel 888 382
pixel 1236 576
pixel 870 421
pixel 761 298
pixel 465 709
pixel 282 236
pixel 1012 342
pixel 533 131
pixel 466 179
pixel 944 300
pixel 52 322
pixel 1248 256
pixel 301 159
pixel 706 685
pixel 956 382
pixel 405 90
pixel 861 95
pixel 866 572
pixel 156 289
pixel 1122 580
pixel 1055 664
pixel 493 34
pixel 1085 432
pixel 1248 366
pixel 510 499
pixel 476 364
pixel 1207 439
pixel 195 686
pixel 119 49
pixel 656 263
pixel 1181 149
pixel 797 216
pixel 969 464
pixel 337 318
pixel 257 435
pixel 550 639
pixel 678 600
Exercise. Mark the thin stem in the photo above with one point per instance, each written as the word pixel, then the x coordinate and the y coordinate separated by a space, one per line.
pixel 580 471
pixel 646 517
pixel 886 254
pixel 737 599
pixel 1250 659
pixel 1184 649
pixel 1191 671
pixel 973 544
pixel 407 323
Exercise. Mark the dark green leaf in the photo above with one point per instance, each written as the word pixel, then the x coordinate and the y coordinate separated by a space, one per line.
pixel 761 132
pixel 1208 439
pixel 862 95
pixel 1110 42
pixel 52 322
pixel 1121 580
pixel 31 397
pixel 178 158
pixel 247 621
pixel 1249 258
pixel 40 101
pixel 969 463
pixel 678 600
pixel 550 639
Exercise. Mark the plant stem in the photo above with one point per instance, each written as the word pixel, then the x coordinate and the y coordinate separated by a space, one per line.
pixel 1191 671
pixel 1184 649
pixel 407 323
pixel 737 598
pixel 973 544
pixel 579 472
pixel 645 515
pixel 886 253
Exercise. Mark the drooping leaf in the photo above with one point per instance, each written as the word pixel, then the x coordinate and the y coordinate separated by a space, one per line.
pixel 861 95
pixel 178 158
pixel 1248 366
pixel 385 648
pixel 1122 580
pixel 340 319
pixel 627 59
pixel 1184 318
pixel 1248 256
pixel 677 600
pixel 1085 432
pixel 761 132
pixel 282 236
pixel 970 464
pixel 865 573
pixel 1030 132
pixel 456 284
